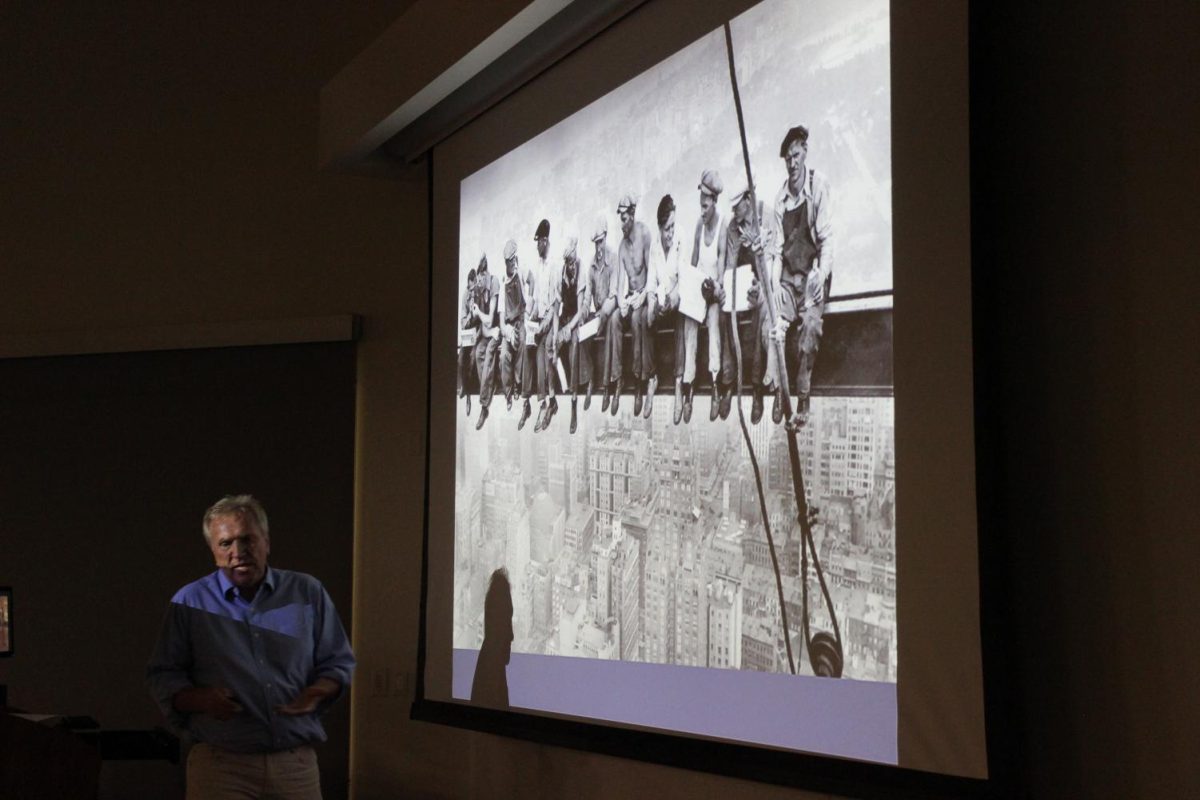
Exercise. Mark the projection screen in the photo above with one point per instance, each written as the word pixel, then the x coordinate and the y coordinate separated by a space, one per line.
pixel 701 462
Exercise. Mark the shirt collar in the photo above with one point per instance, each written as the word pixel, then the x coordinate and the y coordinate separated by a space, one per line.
pixel 227 586
pixel 792 200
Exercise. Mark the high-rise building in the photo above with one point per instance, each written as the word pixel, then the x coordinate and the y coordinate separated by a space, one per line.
pixel 602 556
pixel 627 583
pixel 546 524
pixel 579 532
pixel 758 644
pixel 558 476
pixel 675 470
pixel 658 582
pixel 779 466
pixel 541 594
pixel 635 521
pixel 503 499
pixel 725 622
pixel 691 607
pixel 618 467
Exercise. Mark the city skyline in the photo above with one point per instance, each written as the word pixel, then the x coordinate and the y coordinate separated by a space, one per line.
pixel 641 540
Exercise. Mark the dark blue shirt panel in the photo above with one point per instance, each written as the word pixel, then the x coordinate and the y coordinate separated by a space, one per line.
pixel 266 651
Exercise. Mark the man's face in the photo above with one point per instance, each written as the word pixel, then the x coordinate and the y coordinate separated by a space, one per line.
pixel 667 232
pixel 794 157
pixel 510 266
pixel 239 548
pixel 626 215
pixel 600 250
pixel 471 283
pixel 741 211
pixel 543 245
pixel 569 268
pixel 708 204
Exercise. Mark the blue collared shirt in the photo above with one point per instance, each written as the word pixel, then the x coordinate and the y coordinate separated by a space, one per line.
pixel 266 651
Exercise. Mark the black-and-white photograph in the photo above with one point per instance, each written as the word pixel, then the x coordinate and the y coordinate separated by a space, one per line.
pixel 675 431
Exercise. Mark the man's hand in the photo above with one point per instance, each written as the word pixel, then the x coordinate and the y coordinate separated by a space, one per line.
pixel 752 294
pixel 750 238
pixel 216 701
pixel 779 332
pixel 509 333
pixel 309 698
pixel 816 285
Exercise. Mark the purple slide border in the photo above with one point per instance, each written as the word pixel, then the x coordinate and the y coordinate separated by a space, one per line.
pixel 844 718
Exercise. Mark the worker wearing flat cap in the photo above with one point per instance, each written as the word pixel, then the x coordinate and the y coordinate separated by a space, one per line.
pixel 572 312
pixel 543 288
pixel 744 246
pixel 513 306
pixel 634 286
pixel 708 256
pixel 484 306
pixel 800 256
pixel 602 295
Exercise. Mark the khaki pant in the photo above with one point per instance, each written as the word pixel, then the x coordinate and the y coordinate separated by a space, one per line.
pixel 216 774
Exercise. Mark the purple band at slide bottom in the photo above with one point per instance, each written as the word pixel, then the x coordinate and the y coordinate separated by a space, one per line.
pixel 850 719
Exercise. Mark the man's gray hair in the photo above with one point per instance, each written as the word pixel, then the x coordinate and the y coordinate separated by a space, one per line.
pixel 236 504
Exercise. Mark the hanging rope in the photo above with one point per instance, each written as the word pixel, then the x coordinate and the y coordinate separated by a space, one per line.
pixel 768 302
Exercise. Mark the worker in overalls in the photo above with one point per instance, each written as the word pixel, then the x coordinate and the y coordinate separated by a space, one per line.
pixel 800 255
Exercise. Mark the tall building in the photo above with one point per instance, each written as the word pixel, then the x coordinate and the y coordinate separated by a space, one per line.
pixel 635 521
pixel 541 596
pixel 602 557
pixel 843 444
pixel 618 467
pixel 658 582
pixel 779 466
pixel 691 607
pixel 558 476
pixel 675 470
pixel 518 562
pixel 759 643
pixel 503 499
pixel 724 552
pixel 627 583
pixel 579 532
pixel 725 622
pixel 546 524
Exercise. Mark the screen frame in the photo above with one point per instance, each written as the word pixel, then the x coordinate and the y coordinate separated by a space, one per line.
pixel 798 770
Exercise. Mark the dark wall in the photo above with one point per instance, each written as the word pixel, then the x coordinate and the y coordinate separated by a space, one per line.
pixel 158 165
pixel 109 463
pixel 1084 180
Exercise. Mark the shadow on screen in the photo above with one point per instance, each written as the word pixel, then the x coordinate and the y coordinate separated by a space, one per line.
pixel 490 685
